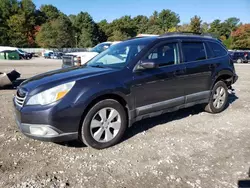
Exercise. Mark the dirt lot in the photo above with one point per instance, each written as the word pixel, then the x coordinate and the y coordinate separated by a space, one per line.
pixel 188 148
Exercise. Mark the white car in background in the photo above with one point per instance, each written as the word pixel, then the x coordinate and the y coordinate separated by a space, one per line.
pixel 71 59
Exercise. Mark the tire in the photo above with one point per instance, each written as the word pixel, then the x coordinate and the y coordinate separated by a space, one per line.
pixel 95 129
pixel 211 107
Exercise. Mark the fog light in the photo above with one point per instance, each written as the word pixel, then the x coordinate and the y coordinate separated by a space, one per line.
pixel 42 131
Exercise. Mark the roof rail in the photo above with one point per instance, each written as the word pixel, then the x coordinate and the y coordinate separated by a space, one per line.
pixel 188 33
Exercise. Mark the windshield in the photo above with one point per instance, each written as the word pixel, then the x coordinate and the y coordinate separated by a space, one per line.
pixel 100 47
pixel 21 51
pixel 119 55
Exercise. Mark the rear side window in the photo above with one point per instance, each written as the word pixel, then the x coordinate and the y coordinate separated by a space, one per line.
pixel 217 49
pixel 193 51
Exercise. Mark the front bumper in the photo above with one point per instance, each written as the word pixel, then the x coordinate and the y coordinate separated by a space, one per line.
pixel 57 137
pixel 54 125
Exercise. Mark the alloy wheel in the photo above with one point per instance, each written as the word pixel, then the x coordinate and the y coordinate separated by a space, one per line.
pixel 219 97
pixel 105 124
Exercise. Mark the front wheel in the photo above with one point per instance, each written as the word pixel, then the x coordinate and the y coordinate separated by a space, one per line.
pixel 218 99
pixel 104 125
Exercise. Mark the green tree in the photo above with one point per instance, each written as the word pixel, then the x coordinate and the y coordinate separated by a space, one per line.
pixel 153 26
pixel 17 33
pixel 50 12
pixel 102 29
pixel 184 28
pixel 205 27
pixel 86 30
pixel 118 35
pixel 228 26
pixel 195 24
pixel 125 26
pixel 7 9
pixel 224 28
pixel 141 22
pixel 228 42
pixel 232 23
pixel 28 11
pixel 72 18
pixel 215 27
pixel 56 33
pixel 3 31
pixel 167 19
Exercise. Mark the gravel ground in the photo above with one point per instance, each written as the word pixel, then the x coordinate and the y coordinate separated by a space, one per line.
pixel 188 148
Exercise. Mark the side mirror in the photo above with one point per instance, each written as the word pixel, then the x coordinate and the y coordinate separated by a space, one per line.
pixel 148 64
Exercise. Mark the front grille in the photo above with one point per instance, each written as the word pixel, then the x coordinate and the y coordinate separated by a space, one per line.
pixel 20 97
pixel 68 60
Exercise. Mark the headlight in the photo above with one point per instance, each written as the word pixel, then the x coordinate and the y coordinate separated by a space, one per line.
pixel 51 95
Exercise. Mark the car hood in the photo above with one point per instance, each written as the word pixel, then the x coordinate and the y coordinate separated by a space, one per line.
pixel 53 78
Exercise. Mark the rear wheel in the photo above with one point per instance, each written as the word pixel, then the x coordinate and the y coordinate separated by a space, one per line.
pixel 104 125
pixel 218 99
pixel 239 60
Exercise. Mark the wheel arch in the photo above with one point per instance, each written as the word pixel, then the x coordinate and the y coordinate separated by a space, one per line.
pixel 224 75
pixel 113 96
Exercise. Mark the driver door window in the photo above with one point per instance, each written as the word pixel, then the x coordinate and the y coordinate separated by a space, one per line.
pixel 164 55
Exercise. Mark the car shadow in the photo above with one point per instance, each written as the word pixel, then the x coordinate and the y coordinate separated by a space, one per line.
pixel 231 98
pixel 149 123
pixel 72 144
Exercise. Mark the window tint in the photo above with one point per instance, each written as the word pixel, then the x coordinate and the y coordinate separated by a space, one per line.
pixel 218 50
pixel 166 54
pixel 193 51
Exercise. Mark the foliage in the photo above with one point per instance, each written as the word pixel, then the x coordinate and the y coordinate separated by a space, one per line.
pixel 17 33
pixel 163 22
pixel 195 25
pixel 141 23
pixel 22 24
pixel 122 29
pixel 167 19
pixel 7 9
pixel 228 42
pixel 104 31
pixel 56 33
pixel 86 30
pixel 205 27
pixel 224 28
pixel 184 28
pixel 241 37
pixel 49 12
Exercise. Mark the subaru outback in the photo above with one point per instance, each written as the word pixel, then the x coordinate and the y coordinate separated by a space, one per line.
pixel 135 79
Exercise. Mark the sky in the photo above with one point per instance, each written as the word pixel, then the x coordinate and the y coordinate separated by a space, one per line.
pixel 208 10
